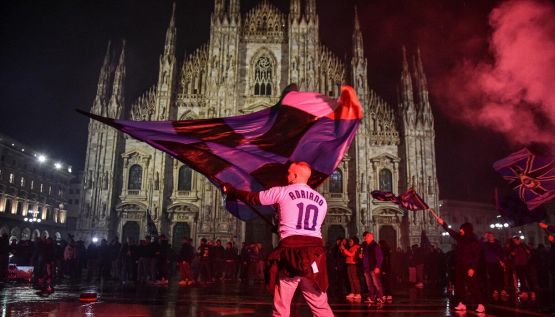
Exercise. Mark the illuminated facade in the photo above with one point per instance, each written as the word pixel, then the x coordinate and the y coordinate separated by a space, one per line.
pixel 247 61
pixel 32 193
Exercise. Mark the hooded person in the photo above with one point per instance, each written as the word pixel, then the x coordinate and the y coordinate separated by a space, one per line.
pixel 467 259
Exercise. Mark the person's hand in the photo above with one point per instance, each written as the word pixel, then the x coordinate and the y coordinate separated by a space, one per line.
pixel 470 272
pixel 377 270
pixel 542 225
pixel 440 221
pixel 226 188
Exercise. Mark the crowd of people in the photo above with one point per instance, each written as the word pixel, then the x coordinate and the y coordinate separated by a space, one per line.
pixel 150 260
pixel 504 270
pixel 501 270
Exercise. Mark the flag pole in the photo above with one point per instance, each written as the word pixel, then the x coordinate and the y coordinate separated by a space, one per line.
pixel 434 214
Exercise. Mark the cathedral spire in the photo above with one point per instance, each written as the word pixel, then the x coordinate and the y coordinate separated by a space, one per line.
pixel 310 11
pixel 407 99
pixel 358 45
pixel 234 11
pixel 169 47
pixel 116 105
pixel 102 86
pixel 295 10
pixel 424 108
pixel 359 69
pixel 167 73
pixel 219 7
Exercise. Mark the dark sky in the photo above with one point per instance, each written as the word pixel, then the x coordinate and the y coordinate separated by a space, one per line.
pixel 52 52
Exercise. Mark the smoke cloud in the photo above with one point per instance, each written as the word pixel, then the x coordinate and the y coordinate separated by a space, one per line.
pixel 513 90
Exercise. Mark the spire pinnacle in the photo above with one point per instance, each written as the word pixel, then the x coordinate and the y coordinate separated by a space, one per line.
pixel 172 21
pixel 169 47
pixel 357 23
pixel 405 63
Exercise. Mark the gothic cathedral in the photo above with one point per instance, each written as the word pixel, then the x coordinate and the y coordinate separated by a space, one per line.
pixel 243 67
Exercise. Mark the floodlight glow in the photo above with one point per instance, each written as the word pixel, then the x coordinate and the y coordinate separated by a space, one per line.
pixel 94 239
pixel 58 165
pixel 25 219
pixel 521 237
pixel 38 220
pixel 492 226
pixel 505 225
pixel 41 158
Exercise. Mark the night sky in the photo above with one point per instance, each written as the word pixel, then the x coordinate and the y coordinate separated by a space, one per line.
pixel 52 52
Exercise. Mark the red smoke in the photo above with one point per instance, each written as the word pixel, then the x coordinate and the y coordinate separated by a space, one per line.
pixel 513 92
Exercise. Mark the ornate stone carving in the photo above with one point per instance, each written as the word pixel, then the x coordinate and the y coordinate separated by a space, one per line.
pixel 144 106
pixel 265 24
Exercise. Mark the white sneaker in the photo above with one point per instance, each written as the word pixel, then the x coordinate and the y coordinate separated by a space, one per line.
pixel 480 309
pixel 460 307
pixel 350 296
pixel 369 300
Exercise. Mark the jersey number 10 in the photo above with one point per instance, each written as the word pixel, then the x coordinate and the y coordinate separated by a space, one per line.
pixel 307 213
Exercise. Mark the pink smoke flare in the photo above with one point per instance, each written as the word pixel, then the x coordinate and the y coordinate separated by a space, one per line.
pixel 513 92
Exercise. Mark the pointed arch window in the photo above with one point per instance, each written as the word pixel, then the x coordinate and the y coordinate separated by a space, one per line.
pixel 185 179
pixel 336 182
pixel 263 76
pixel 386 180
pixel 135 177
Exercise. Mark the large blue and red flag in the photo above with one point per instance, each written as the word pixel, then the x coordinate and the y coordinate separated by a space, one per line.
pixel 253 151
pixel 531 176
pixel 409 200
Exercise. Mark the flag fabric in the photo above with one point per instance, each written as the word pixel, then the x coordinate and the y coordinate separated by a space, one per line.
pixel 513 210
pixel 409 200
pixel 412 201
pixel 385 196
pixel 151 226
pixel 253 151
pixel 531 176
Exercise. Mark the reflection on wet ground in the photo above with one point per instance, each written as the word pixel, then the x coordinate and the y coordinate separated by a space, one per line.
pixel 230 299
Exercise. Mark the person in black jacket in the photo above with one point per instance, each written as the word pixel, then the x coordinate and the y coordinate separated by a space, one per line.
pixel 186 255
pixel 467 259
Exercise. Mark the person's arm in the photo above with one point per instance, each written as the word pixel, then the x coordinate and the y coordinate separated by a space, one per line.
pixel 251 198
pixel 544 226
pixel 451 232
pixel 350 252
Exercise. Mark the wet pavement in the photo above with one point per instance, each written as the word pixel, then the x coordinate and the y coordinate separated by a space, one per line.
pixel 224 299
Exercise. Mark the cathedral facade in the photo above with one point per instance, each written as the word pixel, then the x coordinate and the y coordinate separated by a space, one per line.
pixel 247 61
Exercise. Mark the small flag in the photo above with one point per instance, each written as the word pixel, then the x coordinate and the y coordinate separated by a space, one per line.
pixel 531 176
pixel 409 200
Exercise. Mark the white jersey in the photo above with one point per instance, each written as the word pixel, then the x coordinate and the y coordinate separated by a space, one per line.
pixel 302 209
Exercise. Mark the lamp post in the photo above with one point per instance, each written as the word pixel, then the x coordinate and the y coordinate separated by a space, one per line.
pixel 499 225
pixel 34 218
